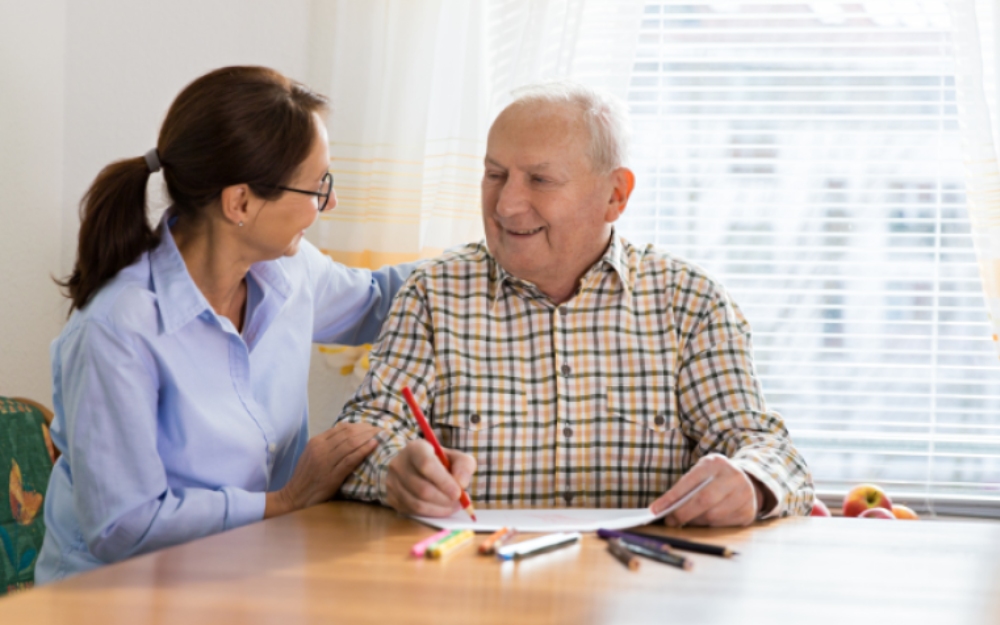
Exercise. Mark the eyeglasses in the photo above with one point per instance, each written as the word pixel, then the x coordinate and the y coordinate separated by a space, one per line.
pixel 325 187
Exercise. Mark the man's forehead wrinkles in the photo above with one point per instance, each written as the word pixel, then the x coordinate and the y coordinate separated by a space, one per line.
pixel 529 167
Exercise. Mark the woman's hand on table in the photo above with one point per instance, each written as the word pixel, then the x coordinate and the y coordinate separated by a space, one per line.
pixel 326 462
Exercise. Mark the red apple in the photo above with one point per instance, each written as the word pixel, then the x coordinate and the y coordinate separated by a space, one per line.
pixel 904 514
pixel 819 508
pixel 863 497
pixel 876 513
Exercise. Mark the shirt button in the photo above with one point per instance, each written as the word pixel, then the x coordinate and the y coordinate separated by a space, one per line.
pixel 569 498
pixel 565 370
pixel 660 419
pixel 563 311
pixel 474 418
pixel 568 432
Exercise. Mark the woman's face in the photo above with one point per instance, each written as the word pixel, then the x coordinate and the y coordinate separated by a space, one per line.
pixel 277 226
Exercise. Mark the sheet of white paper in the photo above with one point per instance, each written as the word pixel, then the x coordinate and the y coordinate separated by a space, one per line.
pixel 555 519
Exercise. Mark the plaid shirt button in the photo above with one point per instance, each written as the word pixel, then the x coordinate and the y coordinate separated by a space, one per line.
pixel 474 418
pixel 566 370
pixel 567 432
pixel 660 419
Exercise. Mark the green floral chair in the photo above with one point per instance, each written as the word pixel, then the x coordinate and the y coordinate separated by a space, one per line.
pixel 26 457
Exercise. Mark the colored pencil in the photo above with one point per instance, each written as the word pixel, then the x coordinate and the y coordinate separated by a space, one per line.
pixel 418 550
pixel 687 545
pixel 537 546
pixel 429 435
pixel 648 543
pixel 666 558
pixel 489 545
pixel 505 539
pixel 622 554
pixel 449 544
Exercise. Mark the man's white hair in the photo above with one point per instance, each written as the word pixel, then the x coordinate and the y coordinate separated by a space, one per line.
pixel 606 117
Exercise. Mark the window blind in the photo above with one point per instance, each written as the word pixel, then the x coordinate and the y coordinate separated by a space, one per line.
pixel 807 155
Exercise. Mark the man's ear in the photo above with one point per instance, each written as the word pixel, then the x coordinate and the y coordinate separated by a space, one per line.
pixel 236 204
pixel 624 181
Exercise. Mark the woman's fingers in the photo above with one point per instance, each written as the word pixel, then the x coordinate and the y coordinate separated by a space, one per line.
pixel 345 444
pixel 347 463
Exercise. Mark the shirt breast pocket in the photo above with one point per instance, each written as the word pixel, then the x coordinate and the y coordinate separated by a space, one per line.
pixel 473 415
pixel 645 440
pixel 652 410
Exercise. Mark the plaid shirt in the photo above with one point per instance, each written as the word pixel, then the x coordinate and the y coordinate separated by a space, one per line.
pixel 602 401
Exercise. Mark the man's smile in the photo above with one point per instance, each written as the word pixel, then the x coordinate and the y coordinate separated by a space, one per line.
pixel 524 233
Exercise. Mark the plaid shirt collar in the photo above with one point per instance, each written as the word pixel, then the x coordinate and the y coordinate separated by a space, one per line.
pixel 615 259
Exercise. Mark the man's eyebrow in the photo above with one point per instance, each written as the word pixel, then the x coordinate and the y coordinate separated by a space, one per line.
pixel 490 161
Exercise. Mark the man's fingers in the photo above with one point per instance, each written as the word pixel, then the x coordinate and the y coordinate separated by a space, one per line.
pixel 404 500
pixel 731 510
pixel 463 466
pixel 427 465
pixel 705 500
pixel 408 504
pixel 687 483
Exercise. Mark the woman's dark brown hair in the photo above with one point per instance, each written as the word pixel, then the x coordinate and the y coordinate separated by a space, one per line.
pixel 236 125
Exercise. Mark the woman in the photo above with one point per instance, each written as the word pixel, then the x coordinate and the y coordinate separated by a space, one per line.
pixel 180 380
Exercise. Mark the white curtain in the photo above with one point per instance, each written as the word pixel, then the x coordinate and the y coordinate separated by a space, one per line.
pixel 982 176
pixel 415 85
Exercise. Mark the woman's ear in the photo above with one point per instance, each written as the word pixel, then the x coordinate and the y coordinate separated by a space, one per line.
pixel 624 183
pixel 236 204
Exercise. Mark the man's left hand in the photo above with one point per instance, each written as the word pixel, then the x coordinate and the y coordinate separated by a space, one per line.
pixel 730 499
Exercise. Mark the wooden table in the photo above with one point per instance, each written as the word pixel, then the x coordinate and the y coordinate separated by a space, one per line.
pixel 347 563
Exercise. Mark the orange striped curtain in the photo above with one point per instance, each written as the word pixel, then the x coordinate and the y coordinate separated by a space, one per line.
pixel 408 129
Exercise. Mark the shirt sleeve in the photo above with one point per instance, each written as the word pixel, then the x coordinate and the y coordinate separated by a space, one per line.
pixel 122 500
pixel 722 403
pixel 403 356
pixel 350 304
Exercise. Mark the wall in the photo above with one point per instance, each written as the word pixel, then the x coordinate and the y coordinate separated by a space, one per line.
pixel 32 113
pixel 83 84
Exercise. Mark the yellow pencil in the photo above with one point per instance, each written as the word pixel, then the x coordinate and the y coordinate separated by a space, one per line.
pixel 445 547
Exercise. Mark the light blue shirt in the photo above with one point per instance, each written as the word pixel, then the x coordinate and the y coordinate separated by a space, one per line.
pixel 173 426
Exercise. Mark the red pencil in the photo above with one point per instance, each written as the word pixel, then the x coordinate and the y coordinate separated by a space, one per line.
pixel 429 435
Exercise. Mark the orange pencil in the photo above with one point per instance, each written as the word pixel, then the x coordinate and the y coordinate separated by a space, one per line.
pixel 429 435
pixel 489 545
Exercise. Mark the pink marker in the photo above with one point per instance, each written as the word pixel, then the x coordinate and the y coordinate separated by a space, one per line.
pixel 418 549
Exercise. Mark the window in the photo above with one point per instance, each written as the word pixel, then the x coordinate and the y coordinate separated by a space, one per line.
pixel 807 154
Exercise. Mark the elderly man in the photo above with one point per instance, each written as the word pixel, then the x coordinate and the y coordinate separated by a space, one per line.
pixel 562 366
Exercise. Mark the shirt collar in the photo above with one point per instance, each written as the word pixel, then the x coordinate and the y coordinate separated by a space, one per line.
pixel 178 297
pixel 615 257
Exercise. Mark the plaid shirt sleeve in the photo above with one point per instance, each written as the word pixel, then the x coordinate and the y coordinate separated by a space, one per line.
pixel 722 403
pixel 402 357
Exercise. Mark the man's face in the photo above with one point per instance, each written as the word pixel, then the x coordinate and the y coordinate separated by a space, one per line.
pixel 546 213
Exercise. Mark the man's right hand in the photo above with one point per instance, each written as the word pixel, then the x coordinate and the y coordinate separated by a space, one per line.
pixel 418 483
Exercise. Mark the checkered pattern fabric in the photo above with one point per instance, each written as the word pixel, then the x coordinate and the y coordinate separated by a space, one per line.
pixel 602 401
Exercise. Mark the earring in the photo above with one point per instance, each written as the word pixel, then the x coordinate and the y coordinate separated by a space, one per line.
pixel 241 224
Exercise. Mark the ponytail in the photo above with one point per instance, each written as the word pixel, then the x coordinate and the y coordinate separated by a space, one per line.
pixel 235 125
pixel 114 231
